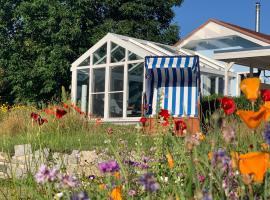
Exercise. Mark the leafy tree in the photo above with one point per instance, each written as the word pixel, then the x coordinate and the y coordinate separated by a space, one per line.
pixel 39 39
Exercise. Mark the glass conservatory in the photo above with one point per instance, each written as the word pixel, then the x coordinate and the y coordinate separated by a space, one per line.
pixel 108 79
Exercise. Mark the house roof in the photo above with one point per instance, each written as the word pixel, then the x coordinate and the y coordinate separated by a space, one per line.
pixel 259 36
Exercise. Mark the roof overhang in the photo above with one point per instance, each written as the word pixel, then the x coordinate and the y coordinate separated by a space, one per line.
pixel 255 57
pixel 221 33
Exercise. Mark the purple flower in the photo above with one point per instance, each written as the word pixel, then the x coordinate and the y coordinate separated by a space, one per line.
pixel 149 183
pixel 46 174
pixel 206 195
pixel 132 193
pixel 91 177
pixel 110 166
pixel 267 133
pixel 79 196
pixel 69 181
pixel 140 165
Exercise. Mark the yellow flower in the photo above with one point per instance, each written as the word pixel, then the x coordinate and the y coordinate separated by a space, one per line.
pixel 251 88
pixel 170 160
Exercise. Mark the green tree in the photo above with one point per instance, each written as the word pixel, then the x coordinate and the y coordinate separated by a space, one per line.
pixel 39 39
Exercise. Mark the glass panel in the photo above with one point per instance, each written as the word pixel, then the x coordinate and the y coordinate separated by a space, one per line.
pixel 220 85
pixel 98 80
pixel 82 88
pixel 133 56
pixel 117 78
pixel 98 105
pixel 213 85
pixel 99 57
pixel 117 53
pixel 116 104
pixel 135 84
pixel 86 62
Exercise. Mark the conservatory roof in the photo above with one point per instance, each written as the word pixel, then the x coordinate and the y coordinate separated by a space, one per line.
pixel 145 48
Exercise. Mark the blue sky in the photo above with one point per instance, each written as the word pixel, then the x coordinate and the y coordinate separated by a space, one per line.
pixel 193 13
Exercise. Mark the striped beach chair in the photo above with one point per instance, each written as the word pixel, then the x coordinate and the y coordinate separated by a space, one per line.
pixel 172 83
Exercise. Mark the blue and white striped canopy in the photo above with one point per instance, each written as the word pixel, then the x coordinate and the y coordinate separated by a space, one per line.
pixel 172 83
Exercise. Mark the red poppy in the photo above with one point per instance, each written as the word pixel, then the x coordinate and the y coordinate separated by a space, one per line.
pixel 180 125
pixel 66 106
pixel 42 121
pixel 228 105
pixel 265 94
pixel 35 116
pixel 77 109
pixel 38 119
pixel 60 113
pixel 164 113
pixel 143 120
pixel 165 123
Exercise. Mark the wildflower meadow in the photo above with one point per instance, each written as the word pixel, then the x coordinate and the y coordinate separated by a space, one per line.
pixel 227 159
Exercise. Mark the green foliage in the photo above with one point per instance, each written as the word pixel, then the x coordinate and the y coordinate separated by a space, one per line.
pixel 40 39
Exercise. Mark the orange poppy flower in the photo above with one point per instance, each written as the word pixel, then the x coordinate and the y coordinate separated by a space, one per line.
pixel 170 160
pixel 252 119
pixel 251 88
pixel 267 112
pixel 253 163
pixel 116 193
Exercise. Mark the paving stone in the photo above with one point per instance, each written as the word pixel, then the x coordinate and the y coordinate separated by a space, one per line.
pixel 88 157
pixel 3 175
pixel 3 157
pixel 23 149
pixel 16 171
pixel 60 159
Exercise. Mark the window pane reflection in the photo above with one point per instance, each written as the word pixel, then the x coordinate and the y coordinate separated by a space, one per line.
pixel 82 88
pixel 98 105
pixel 117 78
pixel 116 104
pixel 98 80
pixel 99 57
pixel 135 84
pixel 117 53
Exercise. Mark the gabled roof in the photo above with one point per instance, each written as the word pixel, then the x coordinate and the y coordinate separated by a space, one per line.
pixel 250 33
pixel 145 48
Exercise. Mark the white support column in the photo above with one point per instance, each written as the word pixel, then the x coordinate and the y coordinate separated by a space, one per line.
pixel 107 81
pixel 237 88
pixel 216 84
pixel 125 88
pixel 84 98
pixel 90 110
pixel 73 85
pixel 226 85
pixel 202 82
